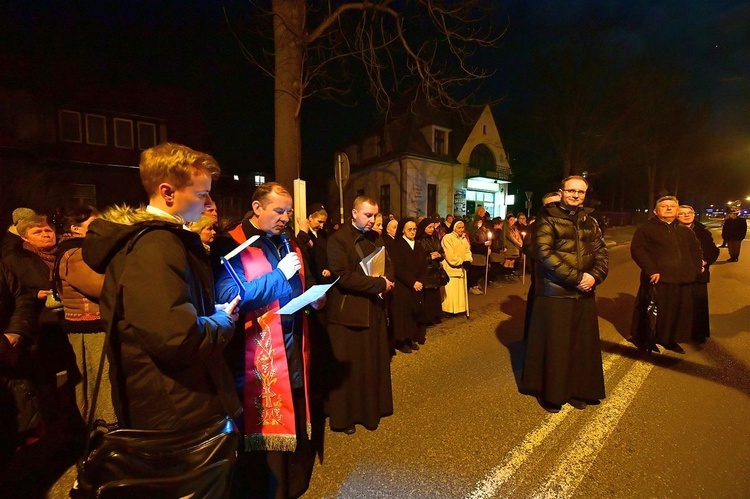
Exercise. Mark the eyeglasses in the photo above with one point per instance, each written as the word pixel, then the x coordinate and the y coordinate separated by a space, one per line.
pixel 410 229
pixel 574 191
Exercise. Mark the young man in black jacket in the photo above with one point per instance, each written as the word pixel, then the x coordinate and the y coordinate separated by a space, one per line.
pixel 168 336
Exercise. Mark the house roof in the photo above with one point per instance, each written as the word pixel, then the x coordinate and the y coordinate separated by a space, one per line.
pixel 404 134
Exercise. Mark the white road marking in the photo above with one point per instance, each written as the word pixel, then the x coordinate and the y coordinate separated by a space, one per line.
pixel 521 452
pixel 578 458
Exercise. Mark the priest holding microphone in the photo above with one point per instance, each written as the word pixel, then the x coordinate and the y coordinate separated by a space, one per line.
pixel 269 361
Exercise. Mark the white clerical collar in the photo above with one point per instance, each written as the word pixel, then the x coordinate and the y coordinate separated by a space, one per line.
pixel 163 214
pixel 410 242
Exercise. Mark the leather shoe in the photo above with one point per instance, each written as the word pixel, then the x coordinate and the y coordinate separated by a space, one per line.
pixel 577 404
pixel 675 347
pixel 404 349
pixel 351 430
pixel 414 345
pixel 553 408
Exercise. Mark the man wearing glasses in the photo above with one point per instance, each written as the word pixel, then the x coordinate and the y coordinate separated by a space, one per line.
pixel 563 355
pixel 670 259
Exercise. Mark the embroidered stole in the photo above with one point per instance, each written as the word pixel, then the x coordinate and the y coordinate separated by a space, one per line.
pixel 269 409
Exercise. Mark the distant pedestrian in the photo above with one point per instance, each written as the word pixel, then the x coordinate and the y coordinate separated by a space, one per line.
pixel 669 256
pixel 733 231
pixel 563 354
pixel 701 327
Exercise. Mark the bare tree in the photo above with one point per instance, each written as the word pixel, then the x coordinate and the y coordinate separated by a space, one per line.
pixel 432 44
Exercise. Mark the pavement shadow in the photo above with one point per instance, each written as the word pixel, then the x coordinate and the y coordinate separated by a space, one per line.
pixel 510 333
pixel 726 369
pixel 731 324
pixel 618 311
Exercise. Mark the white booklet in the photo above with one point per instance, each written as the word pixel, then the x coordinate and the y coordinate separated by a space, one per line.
pixel 306 298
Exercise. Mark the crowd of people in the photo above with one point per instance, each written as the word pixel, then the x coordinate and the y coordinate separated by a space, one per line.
pixel 181 309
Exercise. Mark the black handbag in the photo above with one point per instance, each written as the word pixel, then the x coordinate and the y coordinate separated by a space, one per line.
pixel 126 463
pixel 194 463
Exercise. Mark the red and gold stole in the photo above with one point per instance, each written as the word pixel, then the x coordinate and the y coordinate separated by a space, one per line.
pixel 269 409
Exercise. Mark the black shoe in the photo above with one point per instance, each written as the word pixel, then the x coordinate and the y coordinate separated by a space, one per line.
pixel 404 349
pixel 350 430
pixel 414 345
pixel 553 408
pixel 675 347
pixel 578 404
pixel 732 260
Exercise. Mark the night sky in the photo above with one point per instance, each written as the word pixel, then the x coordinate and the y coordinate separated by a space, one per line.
pixel 187 44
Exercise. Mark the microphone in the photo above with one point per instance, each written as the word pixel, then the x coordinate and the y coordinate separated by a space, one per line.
pixel 285 241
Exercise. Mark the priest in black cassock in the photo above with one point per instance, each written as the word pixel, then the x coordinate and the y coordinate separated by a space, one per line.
pixel 360 390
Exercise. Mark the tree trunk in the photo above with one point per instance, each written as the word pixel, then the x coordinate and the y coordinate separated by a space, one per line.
pixel 288 24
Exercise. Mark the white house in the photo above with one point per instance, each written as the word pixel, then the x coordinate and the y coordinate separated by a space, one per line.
pixel 427 161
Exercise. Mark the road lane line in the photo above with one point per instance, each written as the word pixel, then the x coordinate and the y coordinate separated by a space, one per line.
pixel 521 452
pixel 578 458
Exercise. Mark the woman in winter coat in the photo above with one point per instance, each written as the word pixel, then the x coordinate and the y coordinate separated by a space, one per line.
pixel 701 327
pixel 79 288
pixel 513 243
pixel 433 253
pixel 33 265
pixel 408 293
pixel 457 259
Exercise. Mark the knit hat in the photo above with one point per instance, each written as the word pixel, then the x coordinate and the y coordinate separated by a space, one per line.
pixel 21 213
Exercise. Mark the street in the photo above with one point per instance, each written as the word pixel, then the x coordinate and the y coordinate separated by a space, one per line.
pixel 671 425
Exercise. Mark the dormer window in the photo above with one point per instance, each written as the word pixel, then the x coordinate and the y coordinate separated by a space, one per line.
pixel 440 141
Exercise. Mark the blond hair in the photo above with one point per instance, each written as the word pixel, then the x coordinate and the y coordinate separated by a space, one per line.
pixel 175 164
pixel 203 222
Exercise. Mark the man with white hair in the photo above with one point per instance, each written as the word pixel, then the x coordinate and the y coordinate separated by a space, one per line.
pixel 670 259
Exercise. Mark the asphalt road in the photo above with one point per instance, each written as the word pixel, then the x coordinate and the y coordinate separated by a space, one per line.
pixel 671 425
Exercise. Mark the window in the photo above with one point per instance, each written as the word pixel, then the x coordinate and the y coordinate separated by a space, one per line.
pixel 83 194
pixel 123 133
pixel 70 126
pixel 441 142
pixel 260 179
pixel 482 158
pixel 431 199
pixel 385 199
pixel 96 130
pixel 146 135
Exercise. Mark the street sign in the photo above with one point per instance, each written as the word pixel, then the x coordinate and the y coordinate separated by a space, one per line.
pixel 341 168
pixel 341 173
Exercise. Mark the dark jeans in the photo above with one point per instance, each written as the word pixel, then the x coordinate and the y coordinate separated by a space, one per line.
pixel 734 249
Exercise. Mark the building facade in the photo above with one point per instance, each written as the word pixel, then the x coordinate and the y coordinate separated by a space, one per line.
pixel 427 161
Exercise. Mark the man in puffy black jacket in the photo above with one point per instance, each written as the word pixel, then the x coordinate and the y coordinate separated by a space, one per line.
pixel 563 355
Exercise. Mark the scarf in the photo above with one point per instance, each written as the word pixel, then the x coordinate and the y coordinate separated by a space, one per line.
pixel 47 256
pixel 269 409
